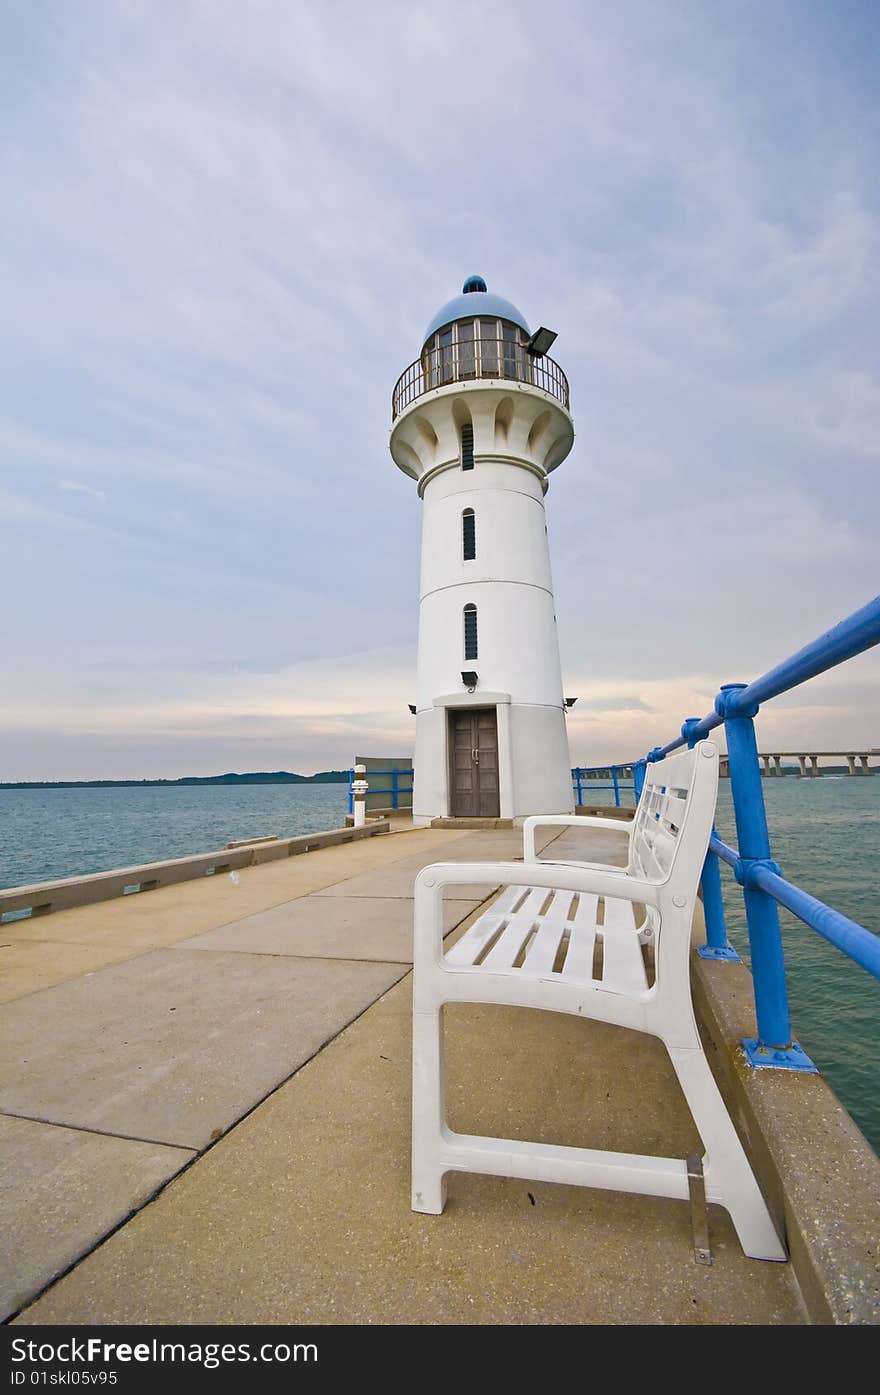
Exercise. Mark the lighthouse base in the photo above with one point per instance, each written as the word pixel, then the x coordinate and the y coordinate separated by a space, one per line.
pixel 483 756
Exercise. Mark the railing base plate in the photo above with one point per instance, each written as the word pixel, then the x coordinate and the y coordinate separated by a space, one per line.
pixel 778 1057
pixel 726 952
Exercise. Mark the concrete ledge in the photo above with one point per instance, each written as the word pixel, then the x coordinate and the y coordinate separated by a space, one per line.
pixel 819 1173
pixel 475 823
pixel 41 898
pixel 403 813
pixel 608 811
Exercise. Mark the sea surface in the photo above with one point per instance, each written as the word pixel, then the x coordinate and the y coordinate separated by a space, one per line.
pixel 825 834
pixel 46 834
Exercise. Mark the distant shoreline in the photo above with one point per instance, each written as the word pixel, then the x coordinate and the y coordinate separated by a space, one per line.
pixel 274 777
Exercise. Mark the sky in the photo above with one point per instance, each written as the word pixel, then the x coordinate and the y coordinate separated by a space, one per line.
pixel 225 227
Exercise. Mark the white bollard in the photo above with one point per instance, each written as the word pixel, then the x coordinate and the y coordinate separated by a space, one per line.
pixel 359 786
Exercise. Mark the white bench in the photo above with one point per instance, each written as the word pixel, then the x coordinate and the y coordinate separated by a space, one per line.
pixel 568 937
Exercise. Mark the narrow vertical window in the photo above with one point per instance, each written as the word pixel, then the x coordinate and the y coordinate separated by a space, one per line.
pixel 470 632
pixel 488 348
pixel 467 447
pixel 447 368
pixel 512 352
pixel 467 358
pixel 431 364
pixel 468 535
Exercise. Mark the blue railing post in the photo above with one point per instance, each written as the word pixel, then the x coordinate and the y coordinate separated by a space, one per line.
pixel 351 791
pixel 639 767
pixel 616 787
pixel 579 786
pixel 773 1045
pixel 717 945
pixel 394 789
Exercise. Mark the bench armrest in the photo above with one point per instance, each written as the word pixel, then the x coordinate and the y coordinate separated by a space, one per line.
pixel 555 876
pixel 566 821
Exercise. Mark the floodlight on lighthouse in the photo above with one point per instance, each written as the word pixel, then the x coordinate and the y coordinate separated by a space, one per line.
pixel 470 679
pixel 570 702
pixel 541 342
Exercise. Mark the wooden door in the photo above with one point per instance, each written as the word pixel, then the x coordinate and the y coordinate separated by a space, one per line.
pixel 473 762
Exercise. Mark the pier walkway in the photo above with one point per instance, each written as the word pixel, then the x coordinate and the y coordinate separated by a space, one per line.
pixel 204 1115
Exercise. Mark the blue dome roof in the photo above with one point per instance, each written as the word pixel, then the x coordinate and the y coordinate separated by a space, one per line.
pixel 476 300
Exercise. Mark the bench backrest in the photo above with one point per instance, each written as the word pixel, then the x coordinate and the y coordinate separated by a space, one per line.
pixel 679 790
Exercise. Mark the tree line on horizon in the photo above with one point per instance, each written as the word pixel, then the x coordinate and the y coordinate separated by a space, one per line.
pixel 259 777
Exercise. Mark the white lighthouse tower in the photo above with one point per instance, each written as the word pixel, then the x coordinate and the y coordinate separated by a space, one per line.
pixel 479 421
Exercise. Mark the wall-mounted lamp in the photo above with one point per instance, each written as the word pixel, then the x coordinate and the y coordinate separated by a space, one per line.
pixel 570 702
pixel 412 707
pixel 540 342
pixel 470 679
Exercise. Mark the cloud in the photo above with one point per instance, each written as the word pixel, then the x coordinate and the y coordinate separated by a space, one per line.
pixel 73 487
pixel 613 704
pixel 223 250
pixel 846 415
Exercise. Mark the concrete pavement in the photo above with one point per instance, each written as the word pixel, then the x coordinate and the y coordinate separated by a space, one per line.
pixel 254 1038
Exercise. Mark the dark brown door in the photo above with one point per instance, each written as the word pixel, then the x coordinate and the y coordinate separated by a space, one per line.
pixel 473 748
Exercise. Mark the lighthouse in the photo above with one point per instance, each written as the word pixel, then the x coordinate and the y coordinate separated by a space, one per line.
pixel 479 420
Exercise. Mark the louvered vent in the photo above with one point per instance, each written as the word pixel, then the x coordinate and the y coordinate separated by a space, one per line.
pixel 467 447
pixel 468 535
pixel 470 632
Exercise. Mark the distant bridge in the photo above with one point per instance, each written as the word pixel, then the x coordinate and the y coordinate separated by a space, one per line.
pixel 857 761
pixel 809 761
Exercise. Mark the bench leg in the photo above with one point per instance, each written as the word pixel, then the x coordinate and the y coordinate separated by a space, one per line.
pixel 428 1113
pixel 729 1176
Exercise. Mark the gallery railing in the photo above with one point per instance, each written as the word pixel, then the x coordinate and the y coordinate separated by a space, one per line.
pixel 478 358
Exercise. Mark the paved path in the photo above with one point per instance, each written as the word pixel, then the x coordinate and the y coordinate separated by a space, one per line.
pixel 253 1037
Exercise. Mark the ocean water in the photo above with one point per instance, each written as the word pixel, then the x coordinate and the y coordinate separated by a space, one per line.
pixel 46 834
pixel 825 834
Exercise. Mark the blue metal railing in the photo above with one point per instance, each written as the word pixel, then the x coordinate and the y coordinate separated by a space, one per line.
pixel 580 775
pixel 396 788
pixel 764 887
pixel 583 773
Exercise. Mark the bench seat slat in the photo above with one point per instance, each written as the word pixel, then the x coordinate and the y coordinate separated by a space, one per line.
pixel 513 937
pixel 544 947
pixel 467 949
pixel 623 968
pixel 582 942
pixel 508 898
